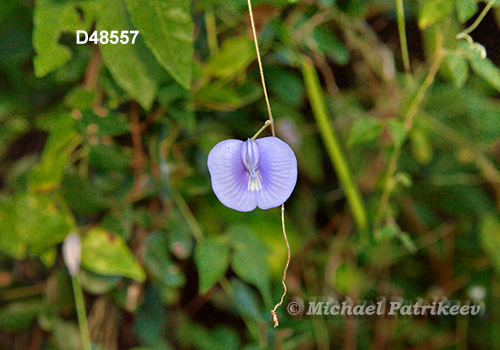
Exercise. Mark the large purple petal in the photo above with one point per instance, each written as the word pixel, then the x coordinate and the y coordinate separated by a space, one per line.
pixel 278 169
pixel 229 176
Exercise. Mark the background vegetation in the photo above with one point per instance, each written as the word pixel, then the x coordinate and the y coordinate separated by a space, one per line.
pixel 111 141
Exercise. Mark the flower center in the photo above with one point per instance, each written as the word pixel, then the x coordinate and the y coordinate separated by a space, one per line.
pixel 250 158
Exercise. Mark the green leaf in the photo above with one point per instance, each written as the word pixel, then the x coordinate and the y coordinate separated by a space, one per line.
pixel 407 242
pixel 107 254
pixel 421 146
pixel 98 284
pixel 489 231
pixel 364 130
pixel 433 11
pixel 458 69
pixel 212 260
pixel 483 67
pixel 330 45
pixel 110 158
pixel 10 241
pixel 397 130
pixel 246 298
pixel 32 221
pixel 348 279
pixel 132 65
pixel 81 196
pixel 18 316
pixel 159 264
pixel 249 260
pixel 80 98
pixel 62 141
pixel 51 18
pixel 287 85
pixel 48 258
pixel 113 124
pixel 466 9
pixel 167 28
pixel 233 57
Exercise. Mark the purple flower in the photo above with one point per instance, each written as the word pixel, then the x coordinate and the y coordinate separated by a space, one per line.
pixel 247 174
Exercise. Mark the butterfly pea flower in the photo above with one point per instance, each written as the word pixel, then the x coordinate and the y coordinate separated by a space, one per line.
pixel 247 174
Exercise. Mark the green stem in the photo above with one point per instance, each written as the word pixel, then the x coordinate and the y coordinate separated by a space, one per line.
pixel 333 147
pixel 80 310
pixel 266 124
pixel 210 24
pixel 408 124
pixel 402 35
pixel 187 214
pixel 477 21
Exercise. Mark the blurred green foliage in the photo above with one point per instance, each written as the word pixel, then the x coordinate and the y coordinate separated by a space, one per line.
pixel 111 141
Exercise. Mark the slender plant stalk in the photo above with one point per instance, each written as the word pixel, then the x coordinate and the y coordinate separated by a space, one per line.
pixel 402 35
pixel 478 20
pixel 408 117
pixel 266 124
pixel 333 147
pixel 271 122
pixel 273 311
pixel 263 80
pixel 80 310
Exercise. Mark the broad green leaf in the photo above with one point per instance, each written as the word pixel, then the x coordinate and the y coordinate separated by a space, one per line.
pixel 330 45
pixel 364 130
pixel 233 57
pixel 80 98
pixel 433 11
pixel 48 257
pixel 397 130
pixel 51 18
pixel 483 67
pixel 81 196
pixel 249 260
pixel 159 264
pixel 66 335
pixel 32 221
pixel 489 232
pixel 246 298
pixel 63 140
pixel 466 9
pixel 287 85
pixel 10 241
pixel 457 68
pixel 98 284
pixel 113 124
pixel 108 157
pixel 132 65
pixel 18 316
pixel 167 28
pixel 212 260
pixel 107 254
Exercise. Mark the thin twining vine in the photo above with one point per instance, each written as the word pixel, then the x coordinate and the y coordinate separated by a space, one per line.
pixel 465 33
pixel 271 123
